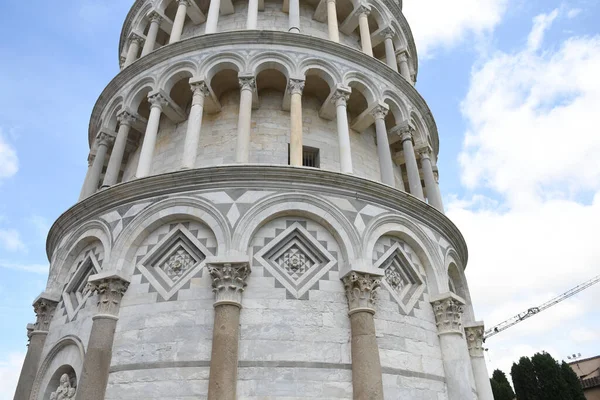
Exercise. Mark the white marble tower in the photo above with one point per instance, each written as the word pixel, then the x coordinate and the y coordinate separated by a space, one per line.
pixel 261 218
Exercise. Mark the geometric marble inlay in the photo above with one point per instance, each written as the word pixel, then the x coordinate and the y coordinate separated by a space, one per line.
pixel 173 261
pixel 296 259
pixel 76 292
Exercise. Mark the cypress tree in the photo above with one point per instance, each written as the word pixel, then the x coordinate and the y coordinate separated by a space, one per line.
pixel 573 382
pixel 501 387
pixel 550 378
pixel 525 380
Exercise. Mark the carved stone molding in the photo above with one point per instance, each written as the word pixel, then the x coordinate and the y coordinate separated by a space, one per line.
pixel 44 309
pixel 110 290
pixel 448 309
pixel 474 337
pixel 361 291
pixel 296 86
pixel 229 281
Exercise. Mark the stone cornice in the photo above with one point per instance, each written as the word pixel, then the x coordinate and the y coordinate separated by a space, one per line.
pixel 395 8
pixel 257 176
pixel 199 43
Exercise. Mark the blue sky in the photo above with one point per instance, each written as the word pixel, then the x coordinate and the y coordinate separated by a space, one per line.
pixel 514 88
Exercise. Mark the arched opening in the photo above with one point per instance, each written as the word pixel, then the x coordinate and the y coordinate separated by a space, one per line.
pixel 180 91
pixel 271 136
pixel 162 37
pixel 358 101
pixel 63 384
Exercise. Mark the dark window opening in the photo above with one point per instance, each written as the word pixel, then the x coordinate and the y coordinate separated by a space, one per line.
pixel 310 157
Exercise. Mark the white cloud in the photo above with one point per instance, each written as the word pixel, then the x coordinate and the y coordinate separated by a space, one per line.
pixel 35 268
pixel 582 335
pixel 574 12
pixel 10 369
pixel 451 22
pixel 10 239
pixel 9 162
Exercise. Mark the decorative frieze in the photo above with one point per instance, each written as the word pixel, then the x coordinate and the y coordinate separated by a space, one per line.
pixel 44 310
pixel 474 337
pixel 110 290
pixel 361 291
pixel 448 309
pixel 229 281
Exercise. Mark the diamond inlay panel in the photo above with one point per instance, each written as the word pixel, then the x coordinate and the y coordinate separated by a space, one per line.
pixel 76 291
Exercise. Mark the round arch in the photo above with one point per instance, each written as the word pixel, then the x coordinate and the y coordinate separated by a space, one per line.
pixel 110 112
pixel 220 62
pixel 363 84
pixel 175 73
pixel 456 274
pixel 397 105
pixel 422 135
pixel 271 60
pixel 323 69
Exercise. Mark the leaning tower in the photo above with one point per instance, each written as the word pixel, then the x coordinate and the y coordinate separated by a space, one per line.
pixel 261 218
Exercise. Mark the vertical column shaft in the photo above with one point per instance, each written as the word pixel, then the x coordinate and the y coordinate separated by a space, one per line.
pixel 390 54
pixel 251 22
pixel 194 127
pixel 157 102
pixel 152 33
pixel 44 309
pixel 367 381
pixel 96 364
pixel 133 50
pixel 402 57
pixel 295 87
pixel 229 282
pixel 247 88
pixel 118 151
pixel 474 336
pixel 341 98
pixel 91 184
pixel 213 16
pixel 383 146
pixel 332 21
pixel 294 16
pixel 433 190
pixel 82 194
pixel 414 180
pixel 365 32
pixel 179 21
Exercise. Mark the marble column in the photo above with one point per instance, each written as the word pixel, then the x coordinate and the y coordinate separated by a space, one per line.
pixel 384 153
pixel 412 168
pixel 332 21
pixel 157 102
pixel 116 157
pixel 474 335
pixel 251 22
pixel 361 292
pixel 247 88
pixel 103 140
pixel 402 57
pixel 433 191
pixel 365 32
pixel 390 54
pixel 228 282
pixel 179 21
pixel 340 97
pixel 194 125
pixel 90 161
pixel 155 19
pixel 213 16
pixel 44 309
pixel 294 16
pixel 295 88
pixel 135 41
pixel 110 289
pixel 448 310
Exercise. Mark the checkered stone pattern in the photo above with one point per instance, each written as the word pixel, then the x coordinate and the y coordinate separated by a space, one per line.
pixel 75 292
pixel 119 218
pixel 298 253
pixel 358 212
pixel 171 258
pixel 234 203
pixel 405 279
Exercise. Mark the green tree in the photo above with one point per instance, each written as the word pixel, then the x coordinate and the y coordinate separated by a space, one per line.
pixel 573 382
pixel 525 380
pixel 550 378
pixel 501 387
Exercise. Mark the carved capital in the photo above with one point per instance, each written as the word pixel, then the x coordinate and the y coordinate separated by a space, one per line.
pixel 91 158
pixel 229 282
pixel 247 83
pixel 44 310
pixel 296 86
pixel 363 10
pixel 126 118
pixel 134 37
pixel 402 56
pixel 155 17
pixel 184 3
pixel 361 291
pixel 30 329
pixel 340 96
pixel 407 134
pixel 436 174
pixel 122 61
pixel 157 100
pixel 448 310
pixel 379 112
pixel 424 153
pixel 104 139
pixel 474 337
pixel 110 291
pixel 388 33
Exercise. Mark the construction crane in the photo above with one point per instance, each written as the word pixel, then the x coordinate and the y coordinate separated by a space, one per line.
pixel 536 310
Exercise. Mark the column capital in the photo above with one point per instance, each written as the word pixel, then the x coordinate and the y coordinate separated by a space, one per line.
pixel 361 291
pixel 425 152
pixel 156 99
pixel 247 83
pixel 341 95
pixel 110 288
pixel 91 157
pixel 474 335
pixel 126 118
pixel 448 309
pixel 122 61
pixel 134 37
pixel 380 111
pixel 388 32
pixel 199 88
pixel 296 86
pixel 153 16
pixel 229 280
pixel 183 2
pixel 331 1
pixel 402 55
pixel 44 308
pixel 363 9
pixel 104 139
pixel 407 133
pixel 436 174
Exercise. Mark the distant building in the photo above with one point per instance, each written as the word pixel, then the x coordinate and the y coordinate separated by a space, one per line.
pixel 588 371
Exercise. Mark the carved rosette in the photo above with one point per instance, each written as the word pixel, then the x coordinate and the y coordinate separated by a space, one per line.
pixel 448 315
pixel 296 86
pixel 126 118
pixel 474 336
pixel 379 112
pixel 229 282
pixel 110 292
pixel 44 310
pixel 361 291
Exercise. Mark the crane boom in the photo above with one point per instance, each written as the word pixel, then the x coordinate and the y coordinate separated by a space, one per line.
pixel 535 310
